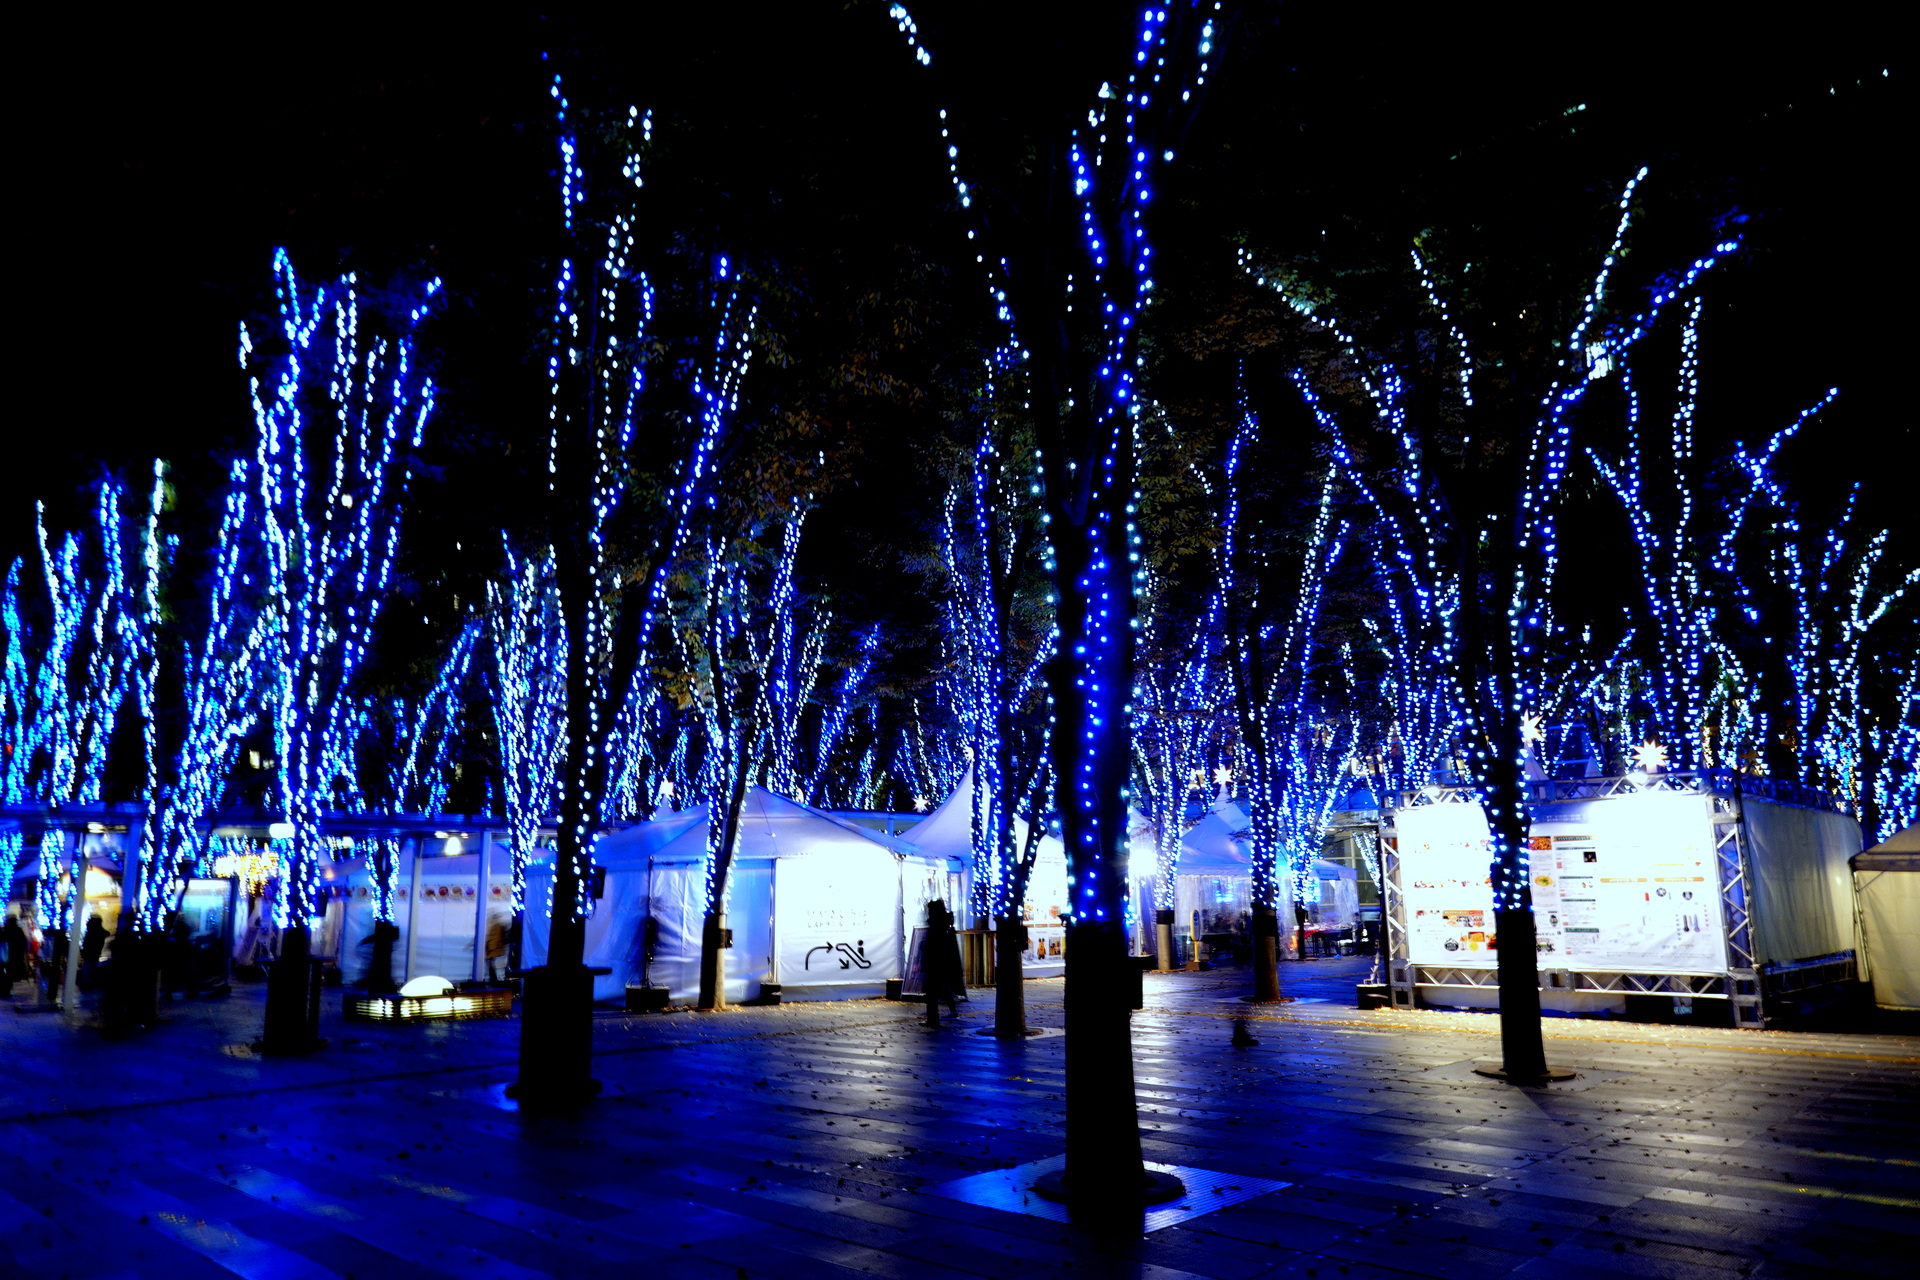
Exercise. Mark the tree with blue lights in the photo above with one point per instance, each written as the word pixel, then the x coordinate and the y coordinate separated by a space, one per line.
pixel 223 678
pixel 82 679
pixel 339 408
pixel 1759 630
pixel 998 631
pixel 526 644
pixel 1462 455
pixel 1296 744
pixel 1064 249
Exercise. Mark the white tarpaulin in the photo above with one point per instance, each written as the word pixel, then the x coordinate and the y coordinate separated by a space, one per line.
pixel 1886 879
pixel 1802 886
pixel 840 915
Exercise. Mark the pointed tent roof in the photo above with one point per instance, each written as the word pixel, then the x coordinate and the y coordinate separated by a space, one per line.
pixel 771 826
pixel 1898 852
pixel 947 832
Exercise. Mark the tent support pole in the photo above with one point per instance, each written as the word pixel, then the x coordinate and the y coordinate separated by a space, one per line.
pixel 483 882
pixel 413 910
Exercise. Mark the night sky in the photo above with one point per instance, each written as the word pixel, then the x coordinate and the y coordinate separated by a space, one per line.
pixel 168 153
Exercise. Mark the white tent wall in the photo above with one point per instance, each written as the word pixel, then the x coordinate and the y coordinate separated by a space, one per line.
pixel 673 896
pixel 1802 885
pixel 1890 919
pixel 813 901
pixel 1886 881
pixel 444 947
pixel 838 914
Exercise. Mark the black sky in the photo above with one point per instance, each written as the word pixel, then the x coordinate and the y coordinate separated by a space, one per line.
pixel 162 154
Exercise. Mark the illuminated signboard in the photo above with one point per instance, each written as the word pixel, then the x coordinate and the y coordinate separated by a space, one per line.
pixel 1627 884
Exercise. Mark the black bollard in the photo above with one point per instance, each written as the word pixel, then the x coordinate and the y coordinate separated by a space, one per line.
pixel 293 998
pixel 131 996
pixel 1242 1038
pixel 556 1038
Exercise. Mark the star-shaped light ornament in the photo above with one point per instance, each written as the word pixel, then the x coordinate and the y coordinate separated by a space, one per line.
pixel 1532 728
pixel 1223 775
pixel 920 804
pixel 1650 756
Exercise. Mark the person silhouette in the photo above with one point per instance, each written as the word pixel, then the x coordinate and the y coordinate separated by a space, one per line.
pixel 941 971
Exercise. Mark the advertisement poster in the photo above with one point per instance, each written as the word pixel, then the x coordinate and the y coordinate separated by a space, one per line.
pixel 1628 886
pixel 1045 906
pixel 1633 887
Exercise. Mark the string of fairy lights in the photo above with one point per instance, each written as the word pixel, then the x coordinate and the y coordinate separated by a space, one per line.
pixel 308 527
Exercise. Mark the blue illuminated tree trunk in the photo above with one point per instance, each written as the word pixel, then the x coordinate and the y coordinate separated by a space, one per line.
pixel 338 414
pixel 601 304
pixel 1064 247
pixel 1477 525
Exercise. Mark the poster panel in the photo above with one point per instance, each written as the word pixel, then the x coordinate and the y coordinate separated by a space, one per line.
pixel 1625 884
pixel 839 917
pixel 1632 886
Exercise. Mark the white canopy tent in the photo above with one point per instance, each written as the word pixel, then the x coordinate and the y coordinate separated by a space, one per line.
pixel 815 902
pixel 947 833
pixel 1213 892
pixel 1886 881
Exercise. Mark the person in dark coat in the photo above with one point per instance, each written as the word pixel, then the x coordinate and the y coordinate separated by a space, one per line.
pixel 15 967
pixel 92 943
pixel 941 973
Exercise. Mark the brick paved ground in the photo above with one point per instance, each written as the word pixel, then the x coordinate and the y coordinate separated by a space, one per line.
pixel 795 1142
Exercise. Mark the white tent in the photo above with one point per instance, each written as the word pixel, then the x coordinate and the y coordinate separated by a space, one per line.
pixel 446 913
pixel 1886 879
pixel 947 833
pixel 1215 882
pixel 815 902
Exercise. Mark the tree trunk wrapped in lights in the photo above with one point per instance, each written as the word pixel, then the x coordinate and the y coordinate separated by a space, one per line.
pixel 1071 229
pixel 64 690
pixel 223 677
pixel 339 414
pixel 998 632
pixel 1463 462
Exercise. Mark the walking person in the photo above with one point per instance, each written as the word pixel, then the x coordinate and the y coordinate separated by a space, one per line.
pixel 13 956
pixel 941 972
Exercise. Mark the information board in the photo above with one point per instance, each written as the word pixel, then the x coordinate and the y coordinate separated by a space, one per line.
pixel 1626 884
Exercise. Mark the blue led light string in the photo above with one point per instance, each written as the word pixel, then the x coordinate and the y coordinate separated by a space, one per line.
pixel 83 677
pixel 827 783
pixel 333 410
pixel 17 715
pixel 1493 697
pixel 527 635
pixel 224 680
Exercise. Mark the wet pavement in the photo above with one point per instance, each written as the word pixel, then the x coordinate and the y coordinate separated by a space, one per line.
pixel 807 1140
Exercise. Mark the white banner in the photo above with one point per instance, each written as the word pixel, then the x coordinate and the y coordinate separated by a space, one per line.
pixel 838 917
